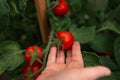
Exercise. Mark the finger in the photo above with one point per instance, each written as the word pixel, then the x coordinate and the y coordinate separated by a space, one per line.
pixel 76 54
pixel 96 72
pixel 60 57
pixel 52 56
pixel 69 55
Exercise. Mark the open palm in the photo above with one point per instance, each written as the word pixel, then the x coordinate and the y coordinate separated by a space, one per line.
pixel 70 68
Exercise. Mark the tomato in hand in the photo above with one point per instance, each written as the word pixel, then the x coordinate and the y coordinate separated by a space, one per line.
pixel 61 8
pixel 35 67
pixel 66 38
pixel 32 50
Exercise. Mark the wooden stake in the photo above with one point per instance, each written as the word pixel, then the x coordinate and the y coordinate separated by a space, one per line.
pixel 42 18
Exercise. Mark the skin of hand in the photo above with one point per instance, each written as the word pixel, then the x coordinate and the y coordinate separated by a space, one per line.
pixel 70 68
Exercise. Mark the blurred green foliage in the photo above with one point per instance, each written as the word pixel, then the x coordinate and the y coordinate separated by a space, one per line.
pixel 94 23
pixel 18 22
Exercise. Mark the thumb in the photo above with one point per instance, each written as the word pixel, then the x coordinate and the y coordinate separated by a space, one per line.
pixel 96 72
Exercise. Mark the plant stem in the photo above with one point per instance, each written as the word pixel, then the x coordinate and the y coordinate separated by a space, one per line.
pixel 48 3
pixel 45 54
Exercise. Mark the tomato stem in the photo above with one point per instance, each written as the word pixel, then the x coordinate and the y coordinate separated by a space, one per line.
pixel 61 1
pixel 45 54
pixel 39 60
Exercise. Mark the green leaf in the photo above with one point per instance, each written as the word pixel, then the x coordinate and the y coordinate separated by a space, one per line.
pixel 75 5
pixel 110 25
pixel 18 78
pixel 84 34
pixel 18 6
pixel 10 56
pixel 8 47
pixel 97 5
pixel 10 8
pixel 114 76
pixel 4 12
pixel 14 8
pixel 103 43
pixel 14 61
pixel 90 59
pixel 2 36
pixel 4 8
pixel 117 50
pixel 2 67
pixel 22 4
pixel 109 63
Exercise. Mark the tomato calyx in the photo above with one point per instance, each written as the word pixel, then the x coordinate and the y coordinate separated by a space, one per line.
pixel 33 52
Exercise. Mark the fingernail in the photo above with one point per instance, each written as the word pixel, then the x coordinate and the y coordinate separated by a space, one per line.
pixel 76 42
pixel 108 72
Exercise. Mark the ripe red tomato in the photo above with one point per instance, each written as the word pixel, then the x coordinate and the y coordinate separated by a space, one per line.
pixel 36 66
pixel 32 50
pixel 67 39
pixel 61 8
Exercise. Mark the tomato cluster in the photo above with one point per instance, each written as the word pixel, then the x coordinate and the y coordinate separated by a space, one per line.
pixel 65 38
pixel 36 65
pixel 61 8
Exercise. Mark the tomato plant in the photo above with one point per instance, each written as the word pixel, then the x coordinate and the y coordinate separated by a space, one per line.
pixel 66 38
pixel 33 50
pixel 61 8
pixel 95 24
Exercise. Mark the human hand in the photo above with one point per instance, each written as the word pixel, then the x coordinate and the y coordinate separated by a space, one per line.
pixel 70 68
